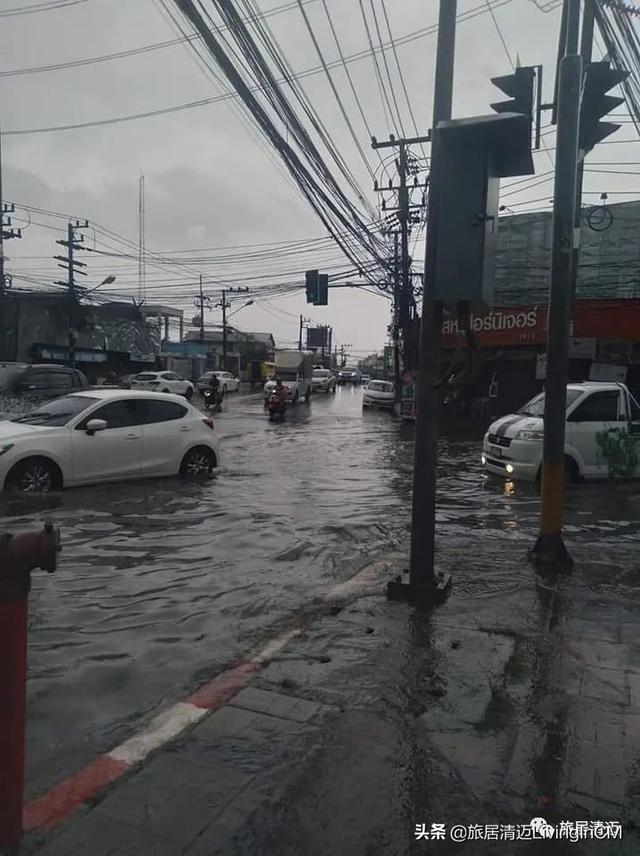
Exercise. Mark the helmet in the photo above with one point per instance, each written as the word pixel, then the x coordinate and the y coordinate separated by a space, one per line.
pixel 278 382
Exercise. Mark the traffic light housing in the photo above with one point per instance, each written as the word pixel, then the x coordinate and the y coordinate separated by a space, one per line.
pixel 473 154
pixel 519 86
pixel 322 298
pixel 599 78
pixel 317 287
pixel 311 284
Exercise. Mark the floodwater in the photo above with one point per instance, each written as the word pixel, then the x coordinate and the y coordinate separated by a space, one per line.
pixel 162 583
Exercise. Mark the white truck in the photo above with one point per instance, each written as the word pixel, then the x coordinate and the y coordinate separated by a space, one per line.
pixel 602 437
pixel 294 369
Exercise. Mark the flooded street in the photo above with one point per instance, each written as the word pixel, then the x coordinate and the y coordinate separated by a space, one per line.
pixel 162 583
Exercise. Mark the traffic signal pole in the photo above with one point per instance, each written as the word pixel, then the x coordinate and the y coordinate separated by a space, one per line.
pixel 549 549
pixel 424 583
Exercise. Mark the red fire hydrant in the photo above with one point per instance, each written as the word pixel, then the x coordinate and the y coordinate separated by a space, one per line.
pixel 19 555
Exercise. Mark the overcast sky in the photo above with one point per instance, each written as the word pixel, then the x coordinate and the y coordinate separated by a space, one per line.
pixel 211 182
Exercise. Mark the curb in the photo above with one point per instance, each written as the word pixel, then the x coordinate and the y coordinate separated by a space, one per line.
pixel 56 805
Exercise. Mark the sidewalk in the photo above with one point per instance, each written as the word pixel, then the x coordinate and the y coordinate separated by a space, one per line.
pixel 516 699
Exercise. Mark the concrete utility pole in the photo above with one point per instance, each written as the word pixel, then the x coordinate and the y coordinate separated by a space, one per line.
pixel 201 312
pixel 424 584
pixel 224 304
pixel 303 321
pixel 549 548
pixel 73 267
pixel 396 325
pixel 403 286
pixel 6 231
pixel 586 52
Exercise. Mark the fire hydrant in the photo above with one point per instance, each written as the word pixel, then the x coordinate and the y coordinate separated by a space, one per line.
pixel 19 555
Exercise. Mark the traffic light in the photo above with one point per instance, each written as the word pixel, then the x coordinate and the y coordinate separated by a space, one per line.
pixel 598 80
pixel 311 280
pixel 519 87
pixel 473 154
pixel 317 287
pixel 322 297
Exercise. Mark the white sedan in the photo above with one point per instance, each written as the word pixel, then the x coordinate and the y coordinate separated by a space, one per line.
pixel 378 393
pixel 105 436
pixel 227 381
pixel 163 382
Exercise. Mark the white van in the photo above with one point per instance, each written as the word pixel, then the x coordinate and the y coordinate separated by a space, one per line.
pixel 602 436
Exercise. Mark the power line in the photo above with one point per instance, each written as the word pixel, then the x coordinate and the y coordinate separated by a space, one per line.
pixel 335 91
pixel 386 67
pixel 39 7
pixel 276 10
pixel 401 75
pixel 386 105
pixel 497 26
pixel 202 102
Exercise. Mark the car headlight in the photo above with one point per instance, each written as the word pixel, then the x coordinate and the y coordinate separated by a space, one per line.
pixel 530 434
pixel 4 447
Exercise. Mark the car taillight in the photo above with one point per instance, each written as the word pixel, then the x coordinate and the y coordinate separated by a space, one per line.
pixel 208 421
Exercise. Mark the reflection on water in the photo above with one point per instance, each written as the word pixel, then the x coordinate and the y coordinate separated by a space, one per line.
pixel 161 583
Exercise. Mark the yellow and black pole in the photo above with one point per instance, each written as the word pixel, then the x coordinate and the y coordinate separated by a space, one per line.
pixel 549 549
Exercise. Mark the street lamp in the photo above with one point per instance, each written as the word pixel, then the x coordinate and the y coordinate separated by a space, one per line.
pixel 248 303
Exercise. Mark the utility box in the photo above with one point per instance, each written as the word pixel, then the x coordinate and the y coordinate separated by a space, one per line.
pixel 473 154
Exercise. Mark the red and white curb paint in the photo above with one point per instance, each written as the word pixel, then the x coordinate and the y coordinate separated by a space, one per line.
pixel 50 809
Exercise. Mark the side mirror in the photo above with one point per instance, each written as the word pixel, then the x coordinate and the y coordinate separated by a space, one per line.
pixel 94 425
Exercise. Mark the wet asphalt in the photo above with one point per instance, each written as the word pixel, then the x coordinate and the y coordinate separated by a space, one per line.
pixel 162 583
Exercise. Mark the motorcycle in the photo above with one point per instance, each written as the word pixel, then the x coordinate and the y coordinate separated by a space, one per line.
pixel 213 399
pixel 276 407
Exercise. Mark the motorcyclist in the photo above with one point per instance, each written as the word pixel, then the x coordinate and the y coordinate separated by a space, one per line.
pixel 280 390
pixel 214 386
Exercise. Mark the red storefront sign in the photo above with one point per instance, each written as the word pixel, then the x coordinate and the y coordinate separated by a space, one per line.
pixel 526 325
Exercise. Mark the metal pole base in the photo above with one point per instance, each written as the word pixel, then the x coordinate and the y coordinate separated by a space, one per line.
pixel 550 553
pixel 421 594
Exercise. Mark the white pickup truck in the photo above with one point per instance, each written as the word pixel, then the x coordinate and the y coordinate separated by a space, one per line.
pixel 602 436
pixel 294 369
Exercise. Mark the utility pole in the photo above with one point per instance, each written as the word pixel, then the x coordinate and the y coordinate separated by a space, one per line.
pixel 402 269
pixel 549 548
pixel 586 52
pixel 224 305
pixel 424 584
pixel 201 312
pixel 73 267
pixel 397 390
pixel 6 230
pixel 303 321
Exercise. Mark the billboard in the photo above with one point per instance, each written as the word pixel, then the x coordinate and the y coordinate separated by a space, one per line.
pixel 617 320
pixel 317 337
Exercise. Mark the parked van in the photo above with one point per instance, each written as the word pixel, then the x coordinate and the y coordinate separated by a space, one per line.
pixel 602 436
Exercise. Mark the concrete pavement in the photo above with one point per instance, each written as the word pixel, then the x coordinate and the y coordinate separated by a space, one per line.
pixel 518 698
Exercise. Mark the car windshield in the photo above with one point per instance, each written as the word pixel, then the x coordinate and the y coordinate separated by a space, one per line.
pixel 57 412
pixel 320 374
pixel 146 376
pixel 535 407
pixel 287 376
pixel 380 386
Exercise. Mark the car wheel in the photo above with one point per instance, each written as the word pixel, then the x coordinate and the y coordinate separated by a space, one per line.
pixel 35 475
pixel 189 393
pixel 198 463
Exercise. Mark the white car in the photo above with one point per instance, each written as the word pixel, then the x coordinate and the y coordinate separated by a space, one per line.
pixel 322 380
pixel 378 393
pixel 602 435
pixel 105 436
pixel 163 382
pixel 227 381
